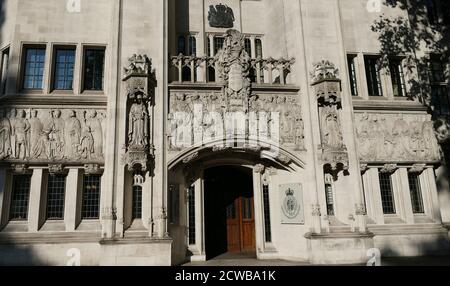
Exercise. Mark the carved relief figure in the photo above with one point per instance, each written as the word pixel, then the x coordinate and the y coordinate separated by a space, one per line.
pixel 72 135
pixel 94 127
pixel 37 143
pixel 12 120
pixel 21 129
pixel 5 136
pixel 56 136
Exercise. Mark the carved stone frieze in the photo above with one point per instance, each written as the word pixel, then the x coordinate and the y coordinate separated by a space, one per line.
pixel 201 117
pixel 396 138
pixel 52 135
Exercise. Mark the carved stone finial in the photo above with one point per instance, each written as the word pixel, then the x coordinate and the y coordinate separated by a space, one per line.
pixel 138 65
pixel 324 70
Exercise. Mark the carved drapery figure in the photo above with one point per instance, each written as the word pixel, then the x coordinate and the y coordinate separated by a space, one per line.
pixel 5 136
pixel 72 136
pixel 21 129
pixel 12 114
pixel 39 138
pixel 138 125
pixel 331 128
pixel 94 129
pixel 327 87
pixel 139 78
pixel 56 136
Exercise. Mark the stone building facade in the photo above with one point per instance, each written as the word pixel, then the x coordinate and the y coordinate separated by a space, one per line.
pixel 151 132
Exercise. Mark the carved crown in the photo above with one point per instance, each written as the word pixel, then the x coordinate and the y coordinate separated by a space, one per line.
pixel 324 70
pixel 138 65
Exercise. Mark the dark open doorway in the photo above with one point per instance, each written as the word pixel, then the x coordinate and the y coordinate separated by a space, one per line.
pixel 229 211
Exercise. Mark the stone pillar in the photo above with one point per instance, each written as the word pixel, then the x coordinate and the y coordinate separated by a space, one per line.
pixel 373 197
pixel 3 197
pixel 258 170
pixel 429 180
pixel 406 195
pixel 71 200
pixel 199 214
pixel 211 45
pixel 35 205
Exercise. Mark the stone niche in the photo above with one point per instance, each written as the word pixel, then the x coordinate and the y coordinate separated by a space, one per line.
pixel 52 135
pixel 396 138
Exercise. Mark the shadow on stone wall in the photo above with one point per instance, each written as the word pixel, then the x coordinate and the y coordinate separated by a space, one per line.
pixel 404 35
pixel 13 254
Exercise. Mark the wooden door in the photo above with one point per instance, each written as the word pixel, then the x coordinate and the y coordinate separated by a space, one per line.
pixel 241 225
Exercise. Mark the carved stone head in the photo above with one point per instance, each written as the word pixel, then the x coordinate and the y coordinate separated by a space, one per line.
pixel 34 113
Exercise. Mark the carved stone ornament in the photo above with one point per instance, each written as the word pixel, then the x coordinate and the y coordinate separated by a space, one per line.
pixel 220 16
pixel 139 79
pixel 364 168
pixel 259 169
pixel 324 70
pixel 233 64
pixel 389 168
pixel 92 169
pixel 55 169
pixel 396 138
pixel 360 209
pixel 315 210
pixel 417 168
pixel 20 168
pixel 47 135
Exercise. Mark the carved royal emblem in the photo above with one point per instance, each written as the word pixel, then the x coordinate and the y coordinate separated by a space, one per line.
pixel 291 206
pixel 220 16
pixel 233 64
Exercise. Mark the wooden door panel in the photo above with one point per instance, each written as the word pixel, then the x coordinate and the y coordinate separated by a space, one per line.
pixel 241 225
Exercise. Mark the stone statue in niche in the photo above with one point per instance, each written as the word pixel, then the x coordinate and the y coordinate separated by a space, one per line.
pixel 5 136
pixel 20 133
pixel 72 136
pixel 220 16
pixel 331 128
pixel 138 124
pixel 140 79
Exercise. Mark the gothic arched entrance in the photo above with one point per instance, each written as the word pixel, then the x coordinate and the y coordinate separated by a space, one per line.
pixel 229 211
